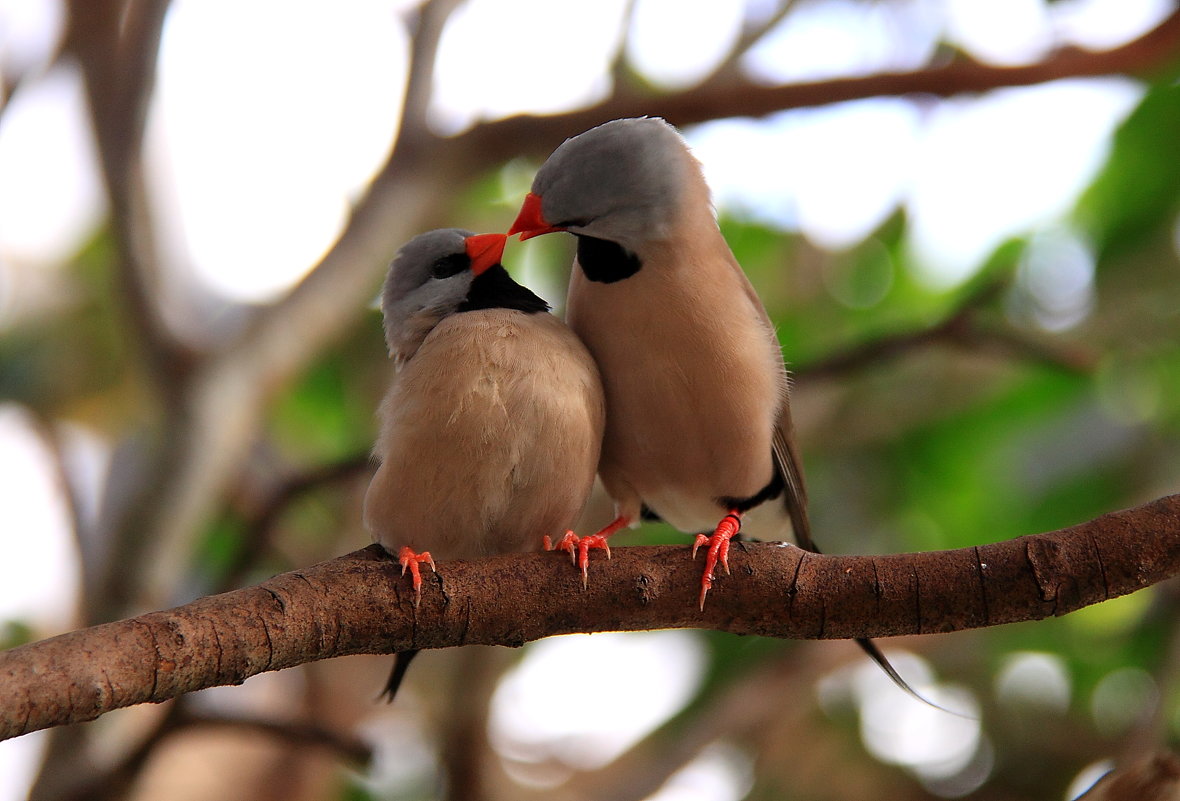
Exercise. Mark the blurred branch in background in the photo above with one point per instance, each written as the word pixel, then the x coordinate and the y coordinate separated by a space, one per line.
pixel 962 330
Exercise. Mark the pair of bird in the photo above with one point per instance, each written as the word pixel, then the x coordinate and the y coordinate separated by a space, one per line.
pixel 668 382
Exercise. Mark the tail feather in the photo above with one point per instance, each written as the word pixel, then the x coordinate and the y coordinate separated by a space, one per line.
pixel 786 458
pixel 401 663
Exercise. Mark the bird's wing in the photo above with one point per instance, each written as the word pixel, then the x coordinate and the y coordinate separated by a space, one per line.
pixel 786 462
pixel 783 444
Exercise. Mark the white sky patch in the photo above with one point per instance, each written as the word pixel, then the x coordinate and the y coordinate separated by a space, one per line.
pixel 1004 32
pixel 29 32
pixel 1034 679
pixel 1105 24
pixel 834 173
pixel 262 151
pixel 568 701
pixel 841 38
pixel 1056 276
pixel 502 57
pixel 900 730
pixel 720 773
pixel 19 759
pixel 51 195
pixel 676 49
pixel 1004 163
pixel 39 571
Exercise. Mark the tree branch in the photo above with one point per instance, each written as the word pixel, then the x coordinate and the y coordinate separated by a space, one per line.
pixel 776 591
pixel 729 96
pixel 959 328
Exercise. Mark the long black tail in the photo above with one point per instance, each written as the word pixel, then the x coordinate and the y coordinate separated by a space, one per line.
pixel 786 459
pixel 401 663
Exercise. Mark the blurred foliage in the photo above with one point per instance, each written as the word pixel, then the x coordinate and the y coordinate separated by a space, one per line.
pixel 1138 192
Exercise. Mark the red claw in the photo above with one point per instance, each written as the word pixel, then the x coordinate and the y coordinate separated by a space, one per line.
pixel 410 560
pixel 579 550
pixel 579 547
pixel 718 551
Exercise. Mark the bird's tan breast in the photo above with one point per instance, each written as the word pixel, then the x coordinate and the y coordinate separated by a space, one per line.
pixel 694 381
pixel 489 437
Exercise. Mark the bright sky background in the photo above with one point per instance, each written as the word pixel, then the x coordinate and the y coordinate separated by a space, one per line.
pixel 264 130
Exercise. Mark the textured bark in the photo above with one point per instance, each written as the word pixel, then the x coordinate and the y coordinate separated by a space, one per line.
pixel 359 604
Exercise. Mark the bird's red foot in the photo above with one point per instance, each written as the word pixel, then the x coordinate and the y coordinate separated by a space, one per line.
pixel 579 549
pixel 410 560
pixel 718 551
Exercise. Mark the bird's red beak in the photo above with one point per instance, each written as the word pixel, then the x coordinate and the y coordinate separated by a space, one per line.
pixel 485 250
pixel 531 222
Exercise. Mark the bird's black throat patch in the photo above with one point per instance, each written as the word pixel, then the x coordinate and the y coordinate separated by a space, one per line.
pixel 604 261
pixel 495 289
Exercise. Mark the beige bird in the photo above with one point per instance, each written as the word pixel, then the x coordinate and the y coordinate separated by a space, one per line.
pixel 491 429
pixel 698 429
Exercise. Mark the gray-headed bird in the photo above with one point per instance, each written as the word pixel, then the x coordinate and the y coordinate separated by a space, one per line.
pixel 491 429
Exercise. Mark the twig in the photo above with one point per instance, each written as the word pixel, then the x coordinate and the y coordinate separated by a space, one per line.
pixel 117 44
pixel 305 733
pixel 775 590
pixel 259 529
pixel 959 328
pixel 730 97
pixel 750 36
pixel 114 782
pixel 426 27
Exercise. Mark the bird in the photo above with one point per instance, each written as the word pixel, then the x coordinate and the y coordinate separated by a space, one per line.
pixel 491 428
pixel 698 430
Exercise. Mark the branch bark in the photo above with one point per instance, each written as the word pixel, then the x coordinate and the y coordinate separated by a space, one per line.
pixel 776 590
pixel 727 95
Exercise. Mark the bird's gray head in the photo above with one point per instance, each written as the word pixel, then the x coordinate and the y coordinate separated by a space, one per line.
pixel 429 279
pixel 620 181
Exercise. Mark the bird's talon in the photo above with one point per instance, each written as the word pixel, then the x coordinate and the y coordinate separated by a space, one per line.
pixel 410 560
pixel 579 551
pixel 718 551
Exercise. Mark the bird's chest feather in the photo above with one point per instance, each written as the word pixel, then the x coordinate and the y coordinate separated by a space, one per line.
pixel 692 373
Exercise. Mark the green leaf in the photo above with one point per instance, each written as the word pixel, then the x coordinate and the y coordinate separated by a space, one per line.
pixel 1138 191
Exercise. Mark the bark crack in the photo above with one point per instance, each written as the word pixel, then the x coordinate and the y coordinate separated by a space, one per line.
pixel 270 648
pixel 918 601
pixel 793 587
pixel 218 650
pixel 1101 565
pixel 151 633
pixel 877 586
pixel 467 614
pixel 981 571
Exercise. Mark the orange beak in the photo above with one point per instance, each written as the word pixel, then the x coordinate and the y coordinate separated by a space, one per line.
pixel 485 250
pixel 531 222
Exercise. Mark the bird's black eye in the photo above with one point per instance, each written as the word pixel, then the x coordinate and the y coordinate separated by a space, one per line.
pixel 450 265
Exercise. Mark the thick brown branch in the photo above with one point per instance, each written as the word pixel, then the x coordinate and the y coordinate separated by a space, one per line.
pixel 359 604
